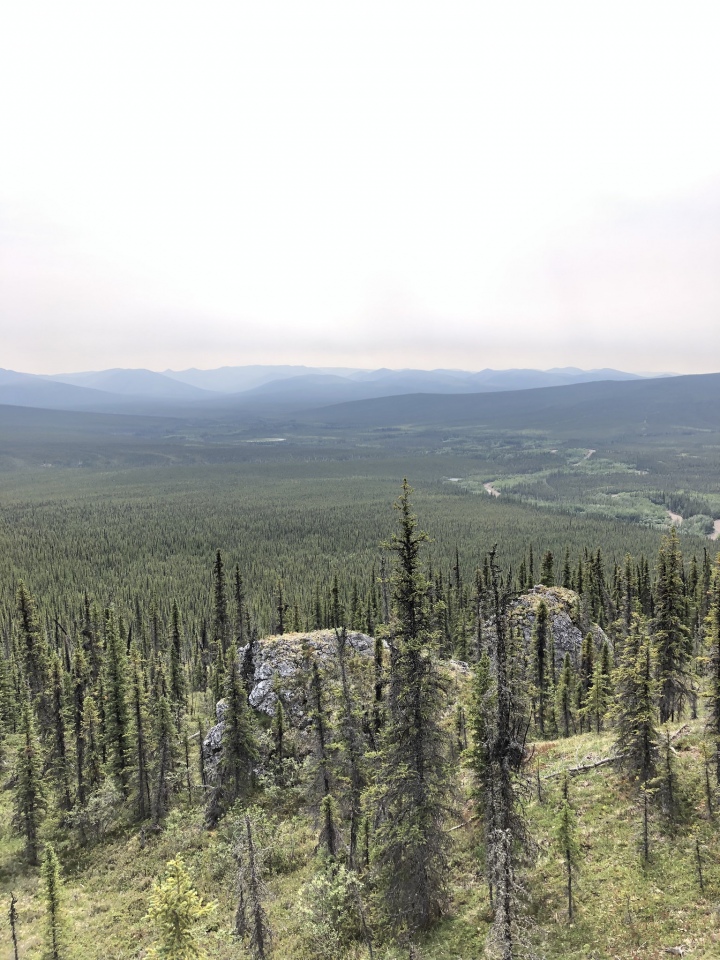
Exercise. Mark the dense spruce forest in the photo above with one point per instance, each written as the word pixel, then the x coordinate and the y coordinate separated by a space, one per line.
pixel 247 708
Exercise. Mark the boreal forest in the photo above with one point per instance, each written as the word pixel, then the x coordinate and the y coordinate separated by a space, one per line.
pixel 426 677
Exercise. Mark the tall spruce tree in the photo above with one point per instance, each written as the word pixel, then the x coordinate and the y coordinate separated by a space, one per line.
pixel 598 695
pixel 7 710
pixel 250 917
pixel 567 572
pixel 547 574
pixel 29 802
pixel 260 933
pixel 482 710
pixel 239 747
pixel 564 696
pixel 411 858
pixel 278 731
pixel 541 644
pixel 177 684
pixel 713 714
pixel 52 884
pixel 323 780
pixel 587 666
pixel 671 633
pixel 566 839
pixel 117 714
pixel 240 608
pixel 13 920
pixel 34 652
pixel 58 749
pixel 138 697
pixel 165 737
pixel 92 752
pixel 500 724
pixel 352 747
pixel 337 615
pixel 221 622
pixel 330 839
pixel 635 707
pixel 79 682
pixel 378 710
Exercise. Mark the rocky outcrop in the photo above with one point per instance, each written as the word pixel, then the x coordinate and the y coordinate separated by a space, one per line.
pixel 563 609
pixel 212 744
pixel 278 660
pixel 274 667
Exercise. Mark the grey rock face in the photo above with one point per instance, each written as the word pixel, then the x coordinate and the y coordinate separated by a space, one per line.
pixel 278 661
pixel 212 744
pixel 563 606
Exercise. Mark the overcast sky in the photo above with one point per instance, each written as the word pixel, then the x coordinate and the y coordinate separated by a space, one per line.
pixel 480 184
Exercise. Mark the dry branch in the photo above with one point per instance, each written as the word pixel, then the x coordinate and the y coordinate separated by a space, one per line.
pixel 604 761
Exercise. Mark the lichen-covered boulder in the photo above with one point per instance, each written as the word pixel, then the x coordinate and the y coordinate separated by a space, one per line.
pixel 278 659
pixel 563 612
pixel 273 667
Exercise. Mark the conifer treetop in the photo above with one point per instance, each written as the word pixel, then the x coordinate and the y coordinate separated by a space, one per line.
pixel 176 909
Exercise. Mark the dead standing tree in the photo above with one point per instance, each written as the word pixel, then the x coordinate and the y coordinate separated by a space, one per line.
pixel 251 918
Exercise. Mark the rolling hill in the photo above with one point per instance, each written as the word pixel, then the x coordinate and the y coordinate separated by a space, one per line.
pixel 263 390
pixel 595 409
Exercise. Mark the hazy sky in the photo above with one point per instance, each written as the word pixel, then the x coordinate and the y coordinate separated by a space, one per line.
pixel 361 183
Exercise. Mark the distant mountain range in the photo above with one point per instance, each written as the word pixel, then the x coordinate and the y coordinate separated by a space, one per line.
pixel 136 383
pixel 261 389
pixel 596 410
pixel 674 411
pixel 239 379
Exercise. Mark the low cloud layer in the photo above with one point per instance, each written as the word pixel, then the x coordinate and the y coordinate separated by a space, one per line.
pixel 378 185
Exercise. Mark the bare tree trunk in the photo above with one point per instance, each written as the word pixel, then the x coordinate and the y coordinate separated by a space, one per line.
pixel 13 921
pixel 385 595
pixel 188 779
pixel 201 737
pixel 260 935
pixel 698 858
pixel 708 788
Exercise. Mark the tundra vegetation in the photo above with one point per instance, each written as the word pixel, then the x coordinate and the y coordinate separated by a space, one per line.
pixel 245 711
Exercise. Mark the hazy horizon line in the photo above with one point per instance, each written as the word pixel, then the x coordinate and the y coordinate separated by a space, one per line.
pixel 352 368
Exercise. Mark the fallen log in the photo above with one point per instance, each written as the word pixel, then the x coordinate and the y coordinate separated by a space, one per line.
pixel 571 771
pixel 604 761
pixel 679 732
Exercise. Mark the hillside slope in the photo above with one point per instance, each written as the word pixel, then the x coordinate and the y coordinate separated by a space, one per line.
pixel 623 909
pixel 600 409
